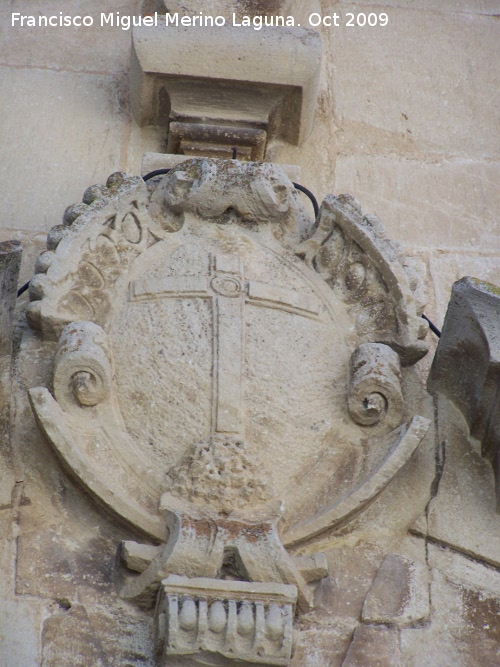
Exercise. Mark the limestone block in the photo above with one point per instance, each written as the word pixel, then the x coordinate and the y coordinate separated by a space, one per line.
pixel 125 634
pixel 374 645
pixel 464 571
pixel 444 101
pixel 98 48
pixel 454 190
pixel 81 137
pixel 400 593
pixel 320 644
pixel 44 568
pixel 19 633
pixel 64 554
pixel 138 557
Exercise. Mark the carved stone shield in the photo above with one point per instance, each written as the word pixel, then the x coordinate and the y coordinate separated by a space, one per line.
pixel 206 336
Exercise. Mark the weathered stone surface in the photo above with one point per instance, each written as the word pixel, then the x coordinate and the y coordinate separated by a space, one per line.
pixel 446 268
pixel 399 452
pixel 10 261
pixel 481 7
pixel 400 593
pixel 202 544
pixel 125 634
pixel 392 188
pixel 313 567
pixel 19 633
pixel 100 48
pixel 153 161
pixel 7 554
pixel 407 120
pixel 74 636
pixel 375 394
pixel 70 640
pixel 463 513
pixel 262 195
pixel 90 118
pixel 374 645
pixel 138 557
pixel 431 115
pixel 35 577
pixel 465 598
pixel 370 274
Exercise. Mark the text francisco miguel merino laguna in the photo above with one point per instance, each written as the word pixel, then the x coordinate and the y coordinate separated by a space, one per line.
pixel 125 22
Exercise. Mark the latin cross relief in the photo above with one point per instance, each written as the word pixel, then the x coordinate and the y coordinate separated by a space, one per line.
pixel 230 292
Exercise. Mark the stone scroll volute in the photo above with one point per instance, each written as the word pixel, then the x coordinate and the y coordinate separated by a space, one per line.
pixel 216 346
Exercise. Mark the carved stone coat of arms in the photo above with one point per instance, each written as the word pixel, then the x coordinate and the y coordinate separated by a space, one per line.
pixel 228 380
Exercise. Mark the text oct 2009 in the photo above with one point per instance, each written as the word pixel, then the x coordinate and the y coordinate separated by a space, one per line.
pixel 350 20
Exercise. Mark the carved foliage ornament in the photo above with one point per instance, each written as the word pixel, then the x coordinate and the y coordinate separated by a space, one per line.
pixel 221 361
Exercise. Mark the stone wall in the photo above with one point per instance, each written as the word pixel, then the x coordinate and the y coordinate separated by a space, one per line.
pixel 407 122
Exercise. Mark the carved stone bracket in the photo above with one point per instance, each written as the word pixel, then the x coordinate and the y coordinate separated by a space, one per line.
pixel 249 623
pixel 466 367
pixel 205 544
pixel 216 88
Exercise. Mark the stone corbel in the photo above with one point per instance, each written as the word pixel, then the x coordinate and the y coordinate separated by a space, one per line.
pixel 225 587
pixel 202 543
pixel 219 88
pixel 247 623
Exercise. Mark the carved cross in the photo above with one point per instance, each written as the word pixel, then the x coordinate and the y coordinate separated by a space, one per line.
pixel 229 291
